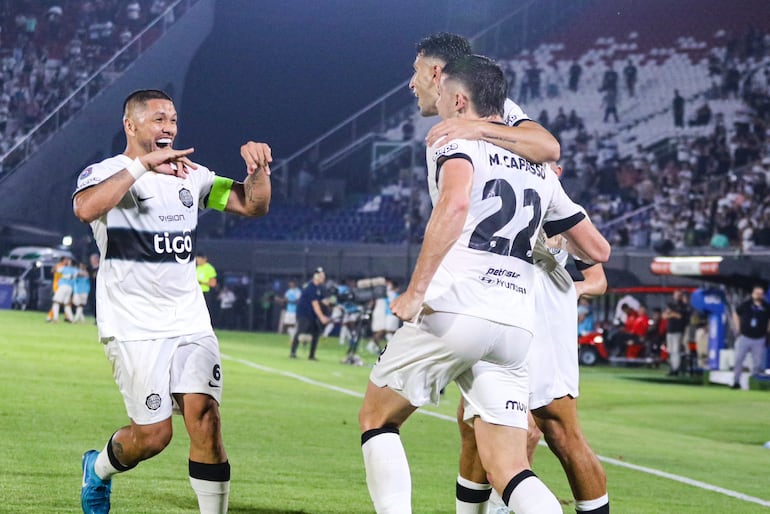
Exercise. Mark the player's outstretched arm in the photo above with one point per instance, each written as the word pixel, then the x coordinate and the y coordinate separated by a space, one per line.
pixel 528 139
pixel 95 201
pixel 444 227
pixel 252 196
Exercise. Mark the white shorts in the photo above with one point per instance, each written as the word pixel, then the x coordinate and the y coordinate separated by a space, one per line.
pixel 553 355
pixel 289 318
pixel 63 294
pixel 79 299
pixel 148 372
pixel 423 357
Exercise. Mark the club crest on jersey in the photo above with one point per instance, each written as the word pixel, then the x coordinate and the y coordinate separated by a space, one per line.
pixel 153 401
pixel 186 197
pixel 444 150
pixel 86 173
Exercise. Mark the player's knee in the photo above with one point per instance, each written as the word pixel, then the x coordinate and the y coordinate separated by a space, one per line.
pixel 368 419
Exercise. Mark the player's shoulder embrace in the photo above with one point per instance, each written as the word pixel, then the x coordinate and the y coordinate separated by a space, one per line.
pixel 455 146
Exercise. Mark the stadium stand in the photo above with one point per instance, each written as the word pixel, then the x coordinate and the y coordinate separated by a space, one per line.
pixel 50 50
pixel 648 182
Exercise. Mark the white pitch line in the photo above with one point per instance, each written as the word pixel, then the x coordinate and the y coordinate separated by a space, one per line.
pixel 608 460
pixel 323 384
pixel 685 480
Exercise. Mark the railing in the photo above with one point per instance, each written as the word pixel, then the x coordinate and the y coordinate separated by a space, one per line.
pixel 91 87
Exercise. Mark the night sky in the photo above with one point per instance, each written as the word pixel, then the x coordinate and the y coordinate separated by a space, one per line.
pixel 284 72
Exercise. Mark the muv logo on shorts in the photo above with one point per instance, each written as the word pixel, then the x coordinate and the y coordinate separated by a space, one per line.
pixel 514 405
pixel 180 245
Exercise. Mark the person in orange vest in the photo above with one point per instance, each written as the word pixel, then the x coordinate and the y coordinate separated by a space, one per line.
pixel 63 261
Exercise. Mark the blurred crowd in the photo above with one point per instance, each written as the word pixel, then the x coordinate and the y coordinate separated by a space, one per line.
pixel 49 48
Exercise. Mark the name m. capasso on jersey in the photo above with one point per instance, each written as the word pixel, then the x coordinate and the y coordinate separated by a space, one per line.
pixel 146 286
pixel 489 271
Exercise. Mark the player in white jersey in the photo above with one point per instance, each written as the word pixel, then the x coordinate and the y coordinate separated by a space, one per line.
pixel 528 139
pixel 142 206
pixel 554 379
pixel 554 375
pixel 475 261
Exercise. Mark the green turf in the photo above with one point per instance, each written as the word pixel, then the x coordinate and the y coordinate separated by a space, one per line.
pixel 294 444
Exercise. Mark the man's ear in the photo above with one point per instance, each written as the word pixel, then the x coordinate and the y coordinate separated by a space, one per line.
pixel 461 101
pixel 129 126
pixel 437 73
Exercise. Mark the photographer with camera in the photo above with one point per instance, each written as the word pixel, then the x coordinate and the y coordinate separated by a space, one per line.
pixel 310 316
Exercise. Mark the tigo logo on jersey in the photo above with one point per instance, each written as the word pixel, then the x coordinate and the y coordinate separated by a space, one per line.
pixel 180 245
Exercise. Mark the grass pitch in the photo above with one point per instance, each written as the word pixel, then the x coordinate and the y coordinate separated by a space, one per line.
pixel 291 433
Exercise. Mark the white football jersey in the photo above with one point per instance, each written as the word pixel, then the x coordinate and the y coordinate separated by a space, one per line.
pixel 489 271
pixel 513 114
pixel 146 286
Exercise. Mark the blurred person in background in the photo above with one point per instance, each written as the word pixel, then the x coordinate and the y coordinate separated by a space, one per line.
pixel 751 321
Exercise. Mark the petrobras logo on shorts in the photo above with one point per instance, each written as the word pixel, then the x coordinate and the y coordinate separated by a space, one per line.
pixel 180 245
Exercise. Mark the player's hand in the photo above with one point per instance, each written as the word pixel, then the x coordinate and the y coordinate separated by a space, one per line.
pixel 455 128
pixel 168 161
pixel 407 306
pixel 257 156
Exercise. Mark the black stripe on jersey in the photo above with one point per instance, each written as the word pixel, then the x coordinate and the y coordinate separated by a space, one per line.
pixel 581 265
pixel 444 158
pixel 522 120
pixel 127 244
pixel 553 228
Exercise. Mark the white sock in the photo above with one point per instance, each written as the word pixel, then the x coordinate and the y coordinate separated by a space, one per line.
pixel 68 312
pixel 79 314
pixel 103 466
pixel 495 502
pixel 466 492
pixel 589 505
pixel 387 472
pixel 212 496
pixel 531 496
pixel 56 312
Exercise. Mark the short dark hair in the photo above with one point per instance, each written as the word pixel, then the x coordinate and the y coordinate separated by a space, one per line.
pixel 445 46
pixel 141 96
pixel 484 80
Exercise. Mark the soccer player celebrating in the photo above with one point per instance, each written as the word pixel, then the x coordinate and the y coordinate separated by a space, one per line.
pixel 554 373
pixel 142 206
pixel 468 307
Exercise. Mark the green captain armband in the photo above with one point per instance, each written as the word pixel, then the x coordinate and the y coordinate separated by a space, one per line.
pixel 220 192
